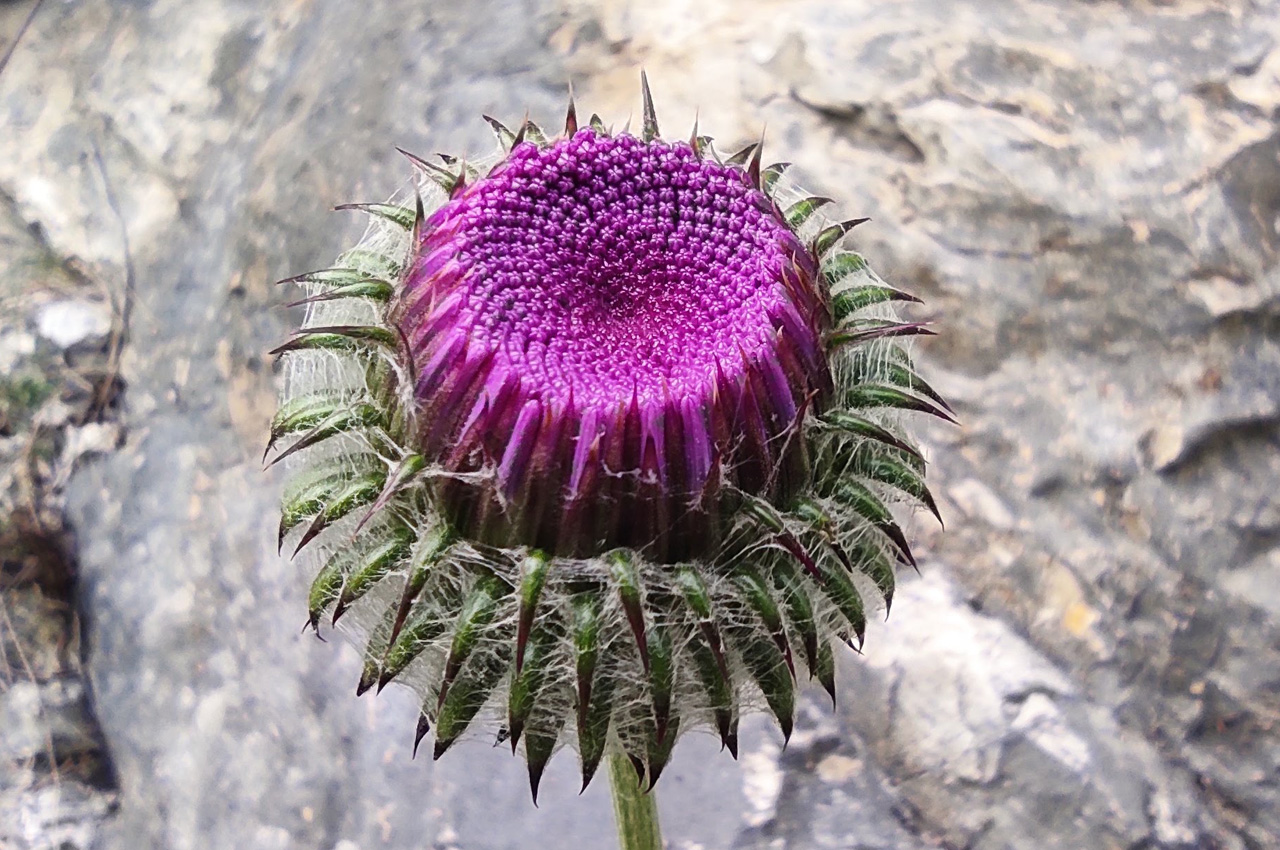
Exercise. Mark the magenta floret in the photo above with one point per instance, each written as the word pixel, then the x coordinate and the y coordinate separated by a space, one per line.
pixel 591 321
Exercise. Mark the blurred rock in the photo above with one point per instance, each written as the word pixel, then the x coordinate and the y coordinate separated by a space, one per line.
pixel 68 324
pixel 56 782
pixel 56 786
pixel 1087 196
pixel 15 346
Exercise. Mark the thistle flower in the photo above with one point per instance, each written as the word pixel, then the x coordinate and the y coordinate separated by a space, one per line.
pixel 600 443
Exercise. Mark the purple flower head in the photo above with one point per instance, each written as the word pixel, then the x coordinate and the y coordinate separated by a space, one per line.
pixel 601 444
pixel 606 324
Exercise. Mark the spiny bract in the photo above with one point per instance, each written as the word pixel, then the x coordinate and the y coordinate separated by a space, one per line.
pixel 600 442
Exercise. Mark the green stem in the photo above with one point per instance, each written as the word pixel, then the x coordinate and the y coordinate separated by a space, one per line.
pixel 635 811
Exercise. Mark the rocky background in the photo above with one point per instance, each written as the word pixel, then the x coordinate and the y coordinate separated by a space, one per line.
pixel 1086 193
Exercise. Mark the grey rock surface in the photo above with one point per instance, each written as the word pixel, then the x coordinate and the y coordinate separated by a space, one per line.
pixel 56 782
pixel 71 323
pixel 1086 194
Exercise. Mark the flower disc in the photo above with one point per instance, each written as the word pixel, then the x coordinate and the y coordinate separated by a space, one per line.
pixel 613 330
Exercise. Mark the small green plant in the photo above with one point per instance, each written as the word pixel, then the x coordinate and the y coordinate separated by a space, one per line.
pixel 598 443
pixel 20 397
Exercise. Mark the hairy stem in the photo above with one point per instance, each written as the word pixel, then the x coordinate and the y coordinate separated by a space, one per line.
pixel 635 810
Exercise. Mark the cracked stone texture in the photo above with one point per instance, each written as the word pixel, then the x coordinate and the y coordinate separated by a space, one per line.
pixel 1086 194
pixel 56 784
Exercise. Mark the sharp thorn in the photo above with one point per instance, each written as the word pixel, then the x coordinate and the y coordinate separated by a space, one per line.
pixel 535 779
pixel 424 726
pixel 650 131
pixel 462 181
pixel 314 528
pixel 524 128
pixel 419 216
pixel 504 135
pixel 753 167
pixel 417 161
pixel 571 118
